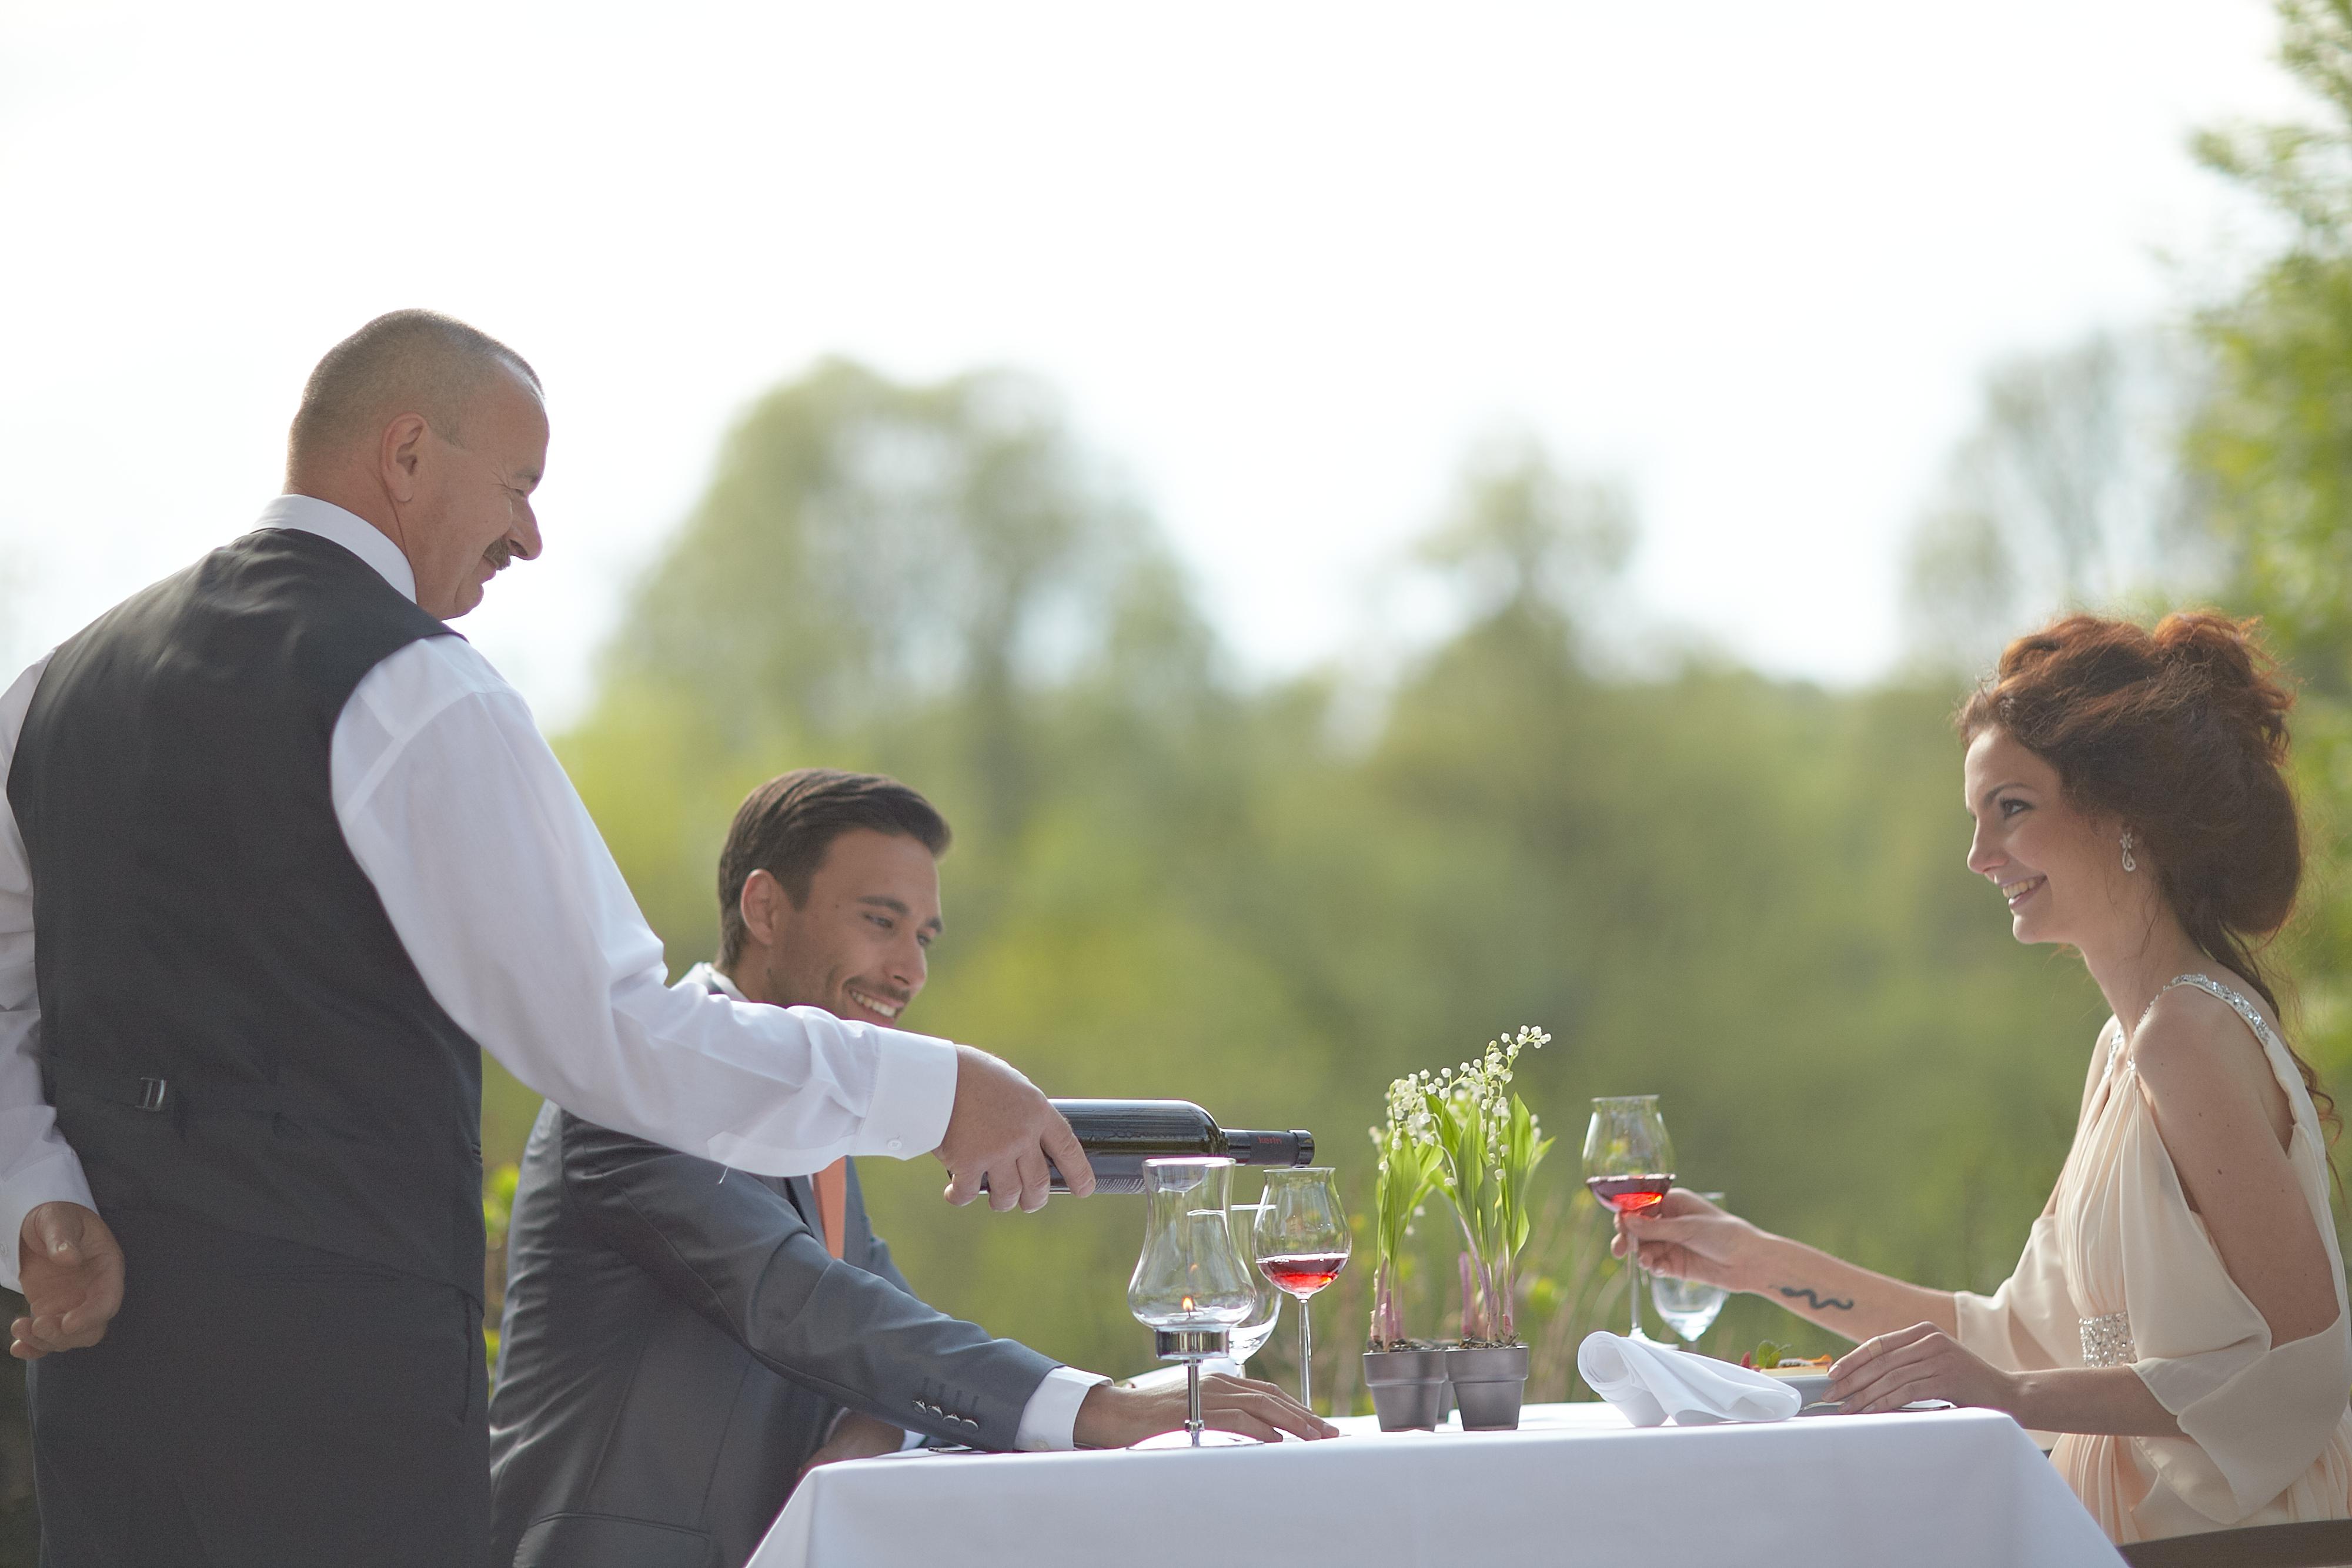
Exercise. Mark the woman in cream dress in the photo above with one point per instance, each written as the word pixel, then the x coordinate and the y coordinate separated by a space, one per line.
pixel 2177 1321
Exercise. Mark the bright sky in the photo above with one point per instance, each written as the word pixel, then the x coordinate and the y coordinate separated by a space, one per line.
pixel 1285 261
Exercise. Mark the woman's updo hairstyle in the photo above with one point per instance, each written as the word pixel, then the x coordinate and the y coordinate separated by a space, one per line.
pixel 2180 735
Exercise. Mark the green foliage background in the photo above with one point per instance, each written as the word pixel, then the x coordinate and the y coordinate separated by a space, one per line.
pixel 1743 894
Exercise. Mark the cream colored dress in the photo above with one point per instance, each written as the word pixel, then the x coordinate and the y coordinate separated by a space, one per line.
pixel 2122 1272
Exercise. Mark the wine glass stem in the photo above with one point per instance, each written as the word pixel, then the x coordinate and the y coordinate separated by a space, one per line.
pixel 1305 1354
pixel 1639 1284
pixel 1193 1422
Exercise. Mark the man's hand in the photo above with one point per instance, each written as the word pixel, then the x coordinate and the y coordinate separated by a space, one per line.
pixel 1002 1132
pixel 855 1436
pixel 71 1268
pixel 1112 1418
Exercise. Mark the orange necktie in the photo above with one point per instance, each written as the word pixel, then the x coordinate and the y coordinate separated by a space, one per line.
pixel 831 1186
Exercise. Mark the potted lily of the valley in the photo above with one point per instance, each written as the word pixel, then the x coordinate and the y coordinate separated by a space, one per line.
pixel 1407 1377
pixel 1484 1146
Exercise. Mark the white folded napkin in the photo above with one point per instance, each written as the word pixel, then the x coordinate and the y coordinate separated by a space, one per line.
pixel 1652 1386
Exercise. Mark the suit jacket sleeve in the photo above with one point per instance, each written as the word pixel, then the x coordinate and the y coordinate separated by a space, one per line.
pixel 879 1261
pixel 741 1256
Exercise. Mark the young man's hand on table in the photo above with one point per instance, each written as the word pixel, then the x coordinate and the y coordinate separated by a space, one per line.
pixel 1113 1416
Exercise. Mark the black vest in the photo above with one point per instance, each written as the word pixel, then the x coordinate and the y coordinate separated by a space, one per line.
pixel 229 1026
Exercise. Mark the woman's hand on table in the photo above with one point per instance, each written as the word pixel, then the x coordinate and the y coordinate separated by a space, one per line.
pixel 1891 1370
pixel 1688 1238
pixel 1113 1416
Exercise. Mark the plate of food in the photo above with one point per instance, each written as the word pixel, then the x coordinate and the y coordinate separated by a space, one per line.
pixel 1809 1376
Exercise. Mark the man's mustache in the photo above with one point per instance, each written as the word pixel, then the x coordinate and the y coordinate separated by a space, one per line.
pixel 499 555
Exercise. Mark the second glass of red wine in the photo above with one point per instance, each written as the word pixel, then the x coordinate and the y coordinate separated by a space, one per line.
pixel 1629 1164
pixel 1302 1245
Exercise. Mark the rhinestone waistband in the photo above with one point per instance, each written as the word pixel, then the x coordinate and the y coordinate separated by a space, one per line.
pixel 2108 1341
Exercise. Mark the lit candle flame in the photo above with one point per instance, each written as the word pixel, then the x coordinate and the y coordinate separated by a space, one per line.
pixel 1187 1303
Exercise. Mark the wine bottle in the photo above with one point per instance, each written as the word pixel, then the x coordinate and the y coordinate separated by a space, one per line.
pixel 1119 1135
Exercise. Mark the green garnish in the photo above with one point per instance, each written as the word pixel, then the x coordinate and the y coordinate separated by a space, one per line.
pixel 1767 1354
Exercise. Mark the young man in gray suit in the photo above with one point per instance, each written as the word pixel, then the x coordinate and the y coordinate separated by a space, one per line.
pixel 683 1341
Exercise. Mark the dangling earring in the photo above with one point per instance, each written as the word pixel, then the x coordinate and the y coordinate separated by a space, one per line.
pixel 2129 863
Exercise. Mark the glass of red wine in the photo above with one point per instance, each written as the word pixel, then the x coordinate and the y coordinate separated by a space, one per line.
pixel 1629 1164
pixel 1302 1245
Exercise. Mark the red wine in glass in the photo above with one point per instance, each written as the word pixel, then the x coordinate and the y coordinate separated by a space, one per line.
pixel 1631 1193
pixel 1627 1158
pixel 1304 1274
pixel 1301 1244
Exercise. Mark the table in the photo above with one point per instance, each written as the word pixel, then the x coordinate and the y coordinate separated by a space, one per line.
pixel 1574 1485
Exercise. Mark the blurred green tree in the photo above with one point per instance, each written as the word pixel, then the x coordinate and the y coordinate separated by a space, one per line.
pixel 2275 434
pixel 1744 895
pixel 2071 491
pixel 2275 438
pixel 1526 545
pixel 867 549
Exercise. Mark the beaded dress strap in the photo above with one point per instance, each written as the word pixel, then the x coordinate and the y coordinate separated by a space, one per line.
pixel 2238 1002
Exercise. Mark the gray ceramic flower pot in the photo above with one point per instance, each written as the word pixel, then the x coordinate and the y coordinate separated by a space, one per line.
pixel 1408 1387
pixel 1489 1383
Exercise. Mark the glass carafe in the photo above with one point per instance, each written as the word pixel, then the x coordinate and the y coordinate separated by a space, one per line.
pixel 1191 1285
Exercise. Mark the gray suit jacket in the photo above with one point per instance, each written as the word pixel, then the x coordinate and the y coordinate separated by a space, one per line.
pixel 675 1346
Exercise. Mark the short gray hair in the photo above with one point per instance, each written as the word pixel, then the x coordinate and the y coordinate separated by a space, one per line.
pixel 405 361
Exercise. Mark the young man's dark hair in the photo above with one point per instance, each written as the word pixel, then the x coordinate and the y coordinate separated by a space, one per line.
pixel 785 826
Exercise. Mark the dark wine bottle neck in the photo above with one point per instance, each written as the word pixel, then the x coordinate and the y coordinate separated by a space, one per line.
pixel 1119 1135
pixel 1249 1147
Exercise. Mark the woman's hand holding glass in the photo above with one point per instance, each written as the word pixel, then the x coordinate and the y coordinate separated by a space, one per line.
pixel 1689 1306
pixel 1690 1238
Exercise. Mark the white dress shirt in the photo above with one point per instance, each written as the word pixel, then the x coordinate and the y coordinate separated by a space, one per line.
pixel 507 900
pixel 1050 1420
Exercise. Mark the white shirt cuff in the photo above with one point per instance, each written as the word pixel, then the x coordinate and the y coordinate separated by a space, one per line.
pixel 1050 1420
pixel 914 1091
pixel 51 1181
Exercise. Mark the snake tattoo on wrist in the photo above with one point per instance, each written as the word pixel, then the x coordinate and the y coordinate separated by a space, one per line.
pixel 1815 1300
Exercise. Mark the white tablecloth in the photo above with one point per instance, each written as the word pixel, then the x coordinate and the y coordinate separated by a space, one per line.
pixel 1574 1485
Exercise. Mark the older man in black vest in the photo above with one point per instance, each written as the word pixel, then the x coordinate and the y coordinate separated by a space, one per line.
pixel 280 856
